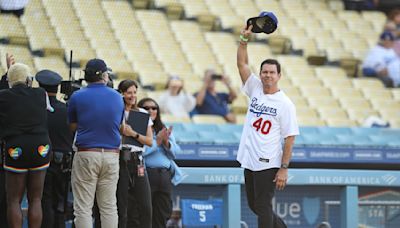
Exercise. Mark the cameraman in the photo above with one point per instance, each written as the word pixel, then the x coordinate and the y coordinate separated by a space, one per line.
pixel 210 101
pixel 96 112
pixel 57 177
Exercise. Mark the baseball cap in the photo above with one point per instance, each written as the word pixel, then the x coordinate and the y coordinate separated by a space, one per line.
pixel 18 72
pixel 95 67
pixel 387 35
pixel 266 22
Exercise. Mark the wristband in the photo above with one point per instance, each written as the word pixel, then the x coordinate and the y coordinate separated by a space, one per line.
pixel 244 39
pixel 284 166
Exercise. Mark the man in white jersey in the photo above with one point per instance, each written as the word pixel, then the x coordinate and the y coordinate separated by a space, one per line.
pixel 270 121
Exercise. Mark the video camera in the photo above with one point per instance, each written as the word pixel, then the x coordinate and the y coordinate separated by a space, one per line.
pixel 69 87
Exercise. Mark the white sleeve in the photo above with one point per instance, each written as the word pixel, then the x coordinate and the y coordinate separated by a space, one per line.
pixel 289 126
pixel 252 82
pixel 162 102
pixel 189 101
pixel 48 105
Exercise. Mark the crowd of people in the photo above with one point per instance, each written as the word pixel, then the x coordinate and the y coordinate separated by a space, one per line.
pixel 122 168
pixel 128 187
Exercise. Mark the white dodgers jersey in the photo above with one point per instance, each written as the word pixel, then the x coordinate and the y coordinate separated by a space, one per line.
pixel 269 120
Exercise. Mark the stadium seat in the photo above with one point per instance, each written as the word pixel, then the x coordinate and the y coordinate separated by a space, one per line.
pixel 334 130
pixel 240 104
pixel 193 127
pixel 340 122
pixel 230 127
pixel 218 138
pixel 190 137
pixel 310 121
pixel 12 30
pixel 396 94
pixel 194 8
pixel 174 119
pixel 322 102
pixel 340 92
pixel 360 114
pixel 308 130
pixel 370 83
pixel 208 119
pixel 320 139
pixel 354 140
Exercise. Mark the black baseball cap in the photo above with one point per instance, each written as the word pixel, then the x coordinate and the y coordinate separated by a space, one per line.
pixel 266 22
pixel 95 67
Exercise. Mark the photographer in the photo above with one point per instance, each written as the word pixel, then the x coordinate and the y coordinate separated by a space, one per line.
pixel 209 101
pixel 23 126
pixel 57 176
pixel 96 112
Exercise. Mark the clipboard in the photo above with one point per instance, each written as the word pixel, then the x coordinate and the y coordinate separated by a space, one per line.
pixel 138 122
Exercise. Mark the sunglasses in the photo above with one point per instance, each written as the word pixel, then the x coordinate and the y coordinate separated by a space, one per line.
pixel 154 108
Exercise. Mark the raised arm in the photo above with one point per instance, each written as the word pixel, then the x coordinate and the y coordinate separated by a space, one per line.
pixel 242 57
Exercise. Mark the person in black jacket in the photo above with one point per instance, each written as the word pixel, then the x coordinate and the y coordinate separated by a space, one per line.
pixel 3 204
pixel 57 176
pixel 23 127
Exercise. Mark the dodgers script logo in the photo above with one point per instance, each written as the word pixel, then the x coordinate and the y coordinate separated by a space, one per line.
pixel 261 109
pixel 312 206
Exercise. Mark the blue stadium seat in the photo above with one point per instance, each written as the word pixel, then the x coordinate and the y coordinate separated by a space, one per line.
pixel 365 130
pixel 219 137
pixel 384 140
pixel 320 139
pixel 176 126
pixel 334 130
pixel 354 140
pixel 299 140
pixel 200 127
pixel 230 127
pixel 390 131
pixel 308 130
pixel 190 137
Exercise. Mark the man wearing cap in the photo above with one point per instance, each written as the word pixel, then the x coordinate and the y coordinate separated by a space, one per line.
pixel 96 113
pixel 56 182
pixel 379 58
pixel 270 121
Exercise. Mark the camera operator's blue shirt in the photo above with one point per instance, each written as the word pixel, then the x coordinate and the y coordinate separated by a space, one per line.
pixel 216 105
pixel 98 111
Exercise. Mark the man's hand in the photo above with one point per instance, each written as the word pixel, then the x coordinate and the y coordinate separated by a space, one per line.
pixel 246 32
pixel 281 178
pixel 10 60
pixel 226 80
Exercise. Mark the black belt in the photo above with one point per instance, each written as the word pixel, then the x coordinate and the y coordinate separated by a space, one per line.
pixel 98 150
pixel 161 170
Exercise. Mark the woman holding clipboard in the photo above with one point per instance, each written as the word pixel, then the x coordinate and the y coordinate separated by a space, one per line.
pixel 133 191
